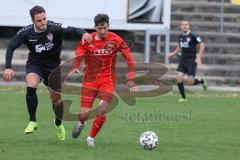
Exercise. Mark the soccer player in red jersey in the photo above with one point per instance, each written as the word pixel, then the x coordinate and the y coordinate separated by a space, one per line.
pixel 99 73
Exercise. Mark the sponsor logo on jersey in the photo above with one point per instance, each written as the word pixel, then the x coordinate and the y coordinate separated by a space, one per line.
pixel 102 52
pixel 39 48
pixel 46 47
pixel 184 44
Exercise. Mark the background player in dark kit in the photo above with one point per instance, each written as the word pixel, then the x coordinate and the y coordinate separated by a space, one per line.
pixel 189 43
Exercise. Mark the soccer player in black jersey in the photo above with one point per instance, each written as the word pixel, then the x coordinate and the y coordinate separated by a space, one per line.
pixel 188 45
pixel 44 39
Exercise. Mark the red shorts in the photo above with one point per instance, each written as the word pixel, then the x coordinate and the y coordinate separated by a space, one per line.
pixel 102 88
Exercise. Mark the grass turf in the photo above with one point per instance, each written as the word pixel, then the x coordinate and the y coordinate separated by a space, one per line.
pixel 205 128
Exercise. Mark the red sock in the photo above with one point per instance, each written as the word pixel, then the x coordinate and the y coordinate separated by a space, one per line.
pixel 97 125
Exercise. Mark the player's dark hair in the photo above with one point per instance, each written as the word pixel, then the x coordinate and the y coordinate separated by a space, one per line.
pixel 36 10
pixel 101 19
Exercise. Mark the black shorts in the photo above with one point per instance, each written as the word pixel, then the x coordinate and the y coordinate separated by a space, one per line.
pixel 51 77
pixel 187 67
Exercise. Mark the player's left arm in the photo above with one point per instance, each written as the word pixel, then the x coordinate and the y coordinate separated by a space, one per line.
pixel 63 29
pixel 78 31
pixel 201 48
pixel 124 49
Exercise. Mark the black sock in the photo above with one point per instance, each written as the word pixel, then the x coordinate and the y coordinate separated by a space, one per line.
pixel 32 102
pixel 181 89
pixel 58 111
pixel 197 81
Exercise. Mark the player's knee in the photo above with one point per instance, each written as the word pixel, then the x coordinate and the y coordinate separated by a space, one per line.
pixel 179 78
pixel 189 81
pixel 103 105
pixel 55 98
pixel 32 80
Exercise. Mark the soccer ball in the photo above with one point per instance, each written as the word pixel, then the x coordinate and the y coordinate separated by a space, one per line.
pixel 149 140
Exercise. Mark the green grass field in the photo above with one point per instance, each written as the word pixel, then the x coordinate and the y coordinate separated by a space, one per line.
pixel 207 127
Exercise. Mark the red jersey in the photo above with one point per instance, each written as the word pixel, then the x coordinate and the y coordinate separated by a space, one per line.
pixel 100 56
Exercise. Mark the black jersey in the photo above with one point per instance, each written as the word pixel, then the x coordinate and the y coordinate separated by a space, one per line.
pixel 188 43
pixel 45 46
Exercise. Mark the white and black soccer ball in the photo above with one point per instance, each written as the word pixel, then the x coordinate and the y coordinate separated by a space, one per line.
pixel 149 140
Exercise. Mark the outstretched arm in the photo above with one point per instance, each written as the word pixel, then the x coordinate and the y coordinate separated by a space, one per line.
pixel 78 31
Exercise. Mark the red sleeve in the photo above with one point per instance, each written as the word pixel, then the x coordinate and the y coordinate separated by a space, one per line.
pixel 124 49
pixel 80 52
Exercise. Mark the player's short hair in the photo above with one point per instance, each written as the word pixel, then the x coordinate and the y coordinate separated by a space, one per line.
pixel 186 20
pixel 101 19
pixel 36 10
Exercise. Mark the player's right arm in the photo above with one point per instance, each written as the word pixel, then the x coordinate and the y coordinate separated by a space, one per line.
pixel 176 51
pixel 172 54
pixel 80 52
pixel 16 41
